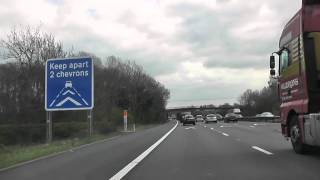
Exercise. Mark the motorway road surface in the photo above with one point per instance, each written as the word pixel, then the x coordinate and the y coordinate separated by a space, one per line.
pixel 243 150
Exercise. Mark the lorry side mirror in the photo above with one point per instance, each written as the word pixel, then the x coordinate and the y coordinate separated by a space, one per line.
pixel 272 62
pixel 272 72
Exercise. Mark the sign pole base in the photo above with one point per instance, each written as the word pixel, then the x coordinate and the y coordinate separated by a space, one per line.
pixel 125 120
pixel 49 126
pixel 90 122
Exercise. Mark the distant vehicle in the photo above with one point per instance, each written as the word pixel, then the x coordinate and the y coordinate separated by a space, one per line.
pixel 232 117
pixel 189 119
pixel 181 116
pixel 211 118
pixel 199 118
pixel 265 114
pixel 219 117
pixel 236 111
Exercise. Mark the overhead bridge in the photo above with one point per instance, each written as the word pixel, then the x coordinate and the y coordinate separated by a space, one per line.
pixel 172 110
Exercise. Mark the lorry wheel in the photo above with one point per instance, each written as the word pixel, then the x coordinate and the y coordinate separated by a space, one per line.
pixel 296 137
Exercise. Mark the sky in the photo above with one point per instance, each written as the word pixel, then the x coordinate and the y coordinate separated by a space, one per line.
pixel 203 51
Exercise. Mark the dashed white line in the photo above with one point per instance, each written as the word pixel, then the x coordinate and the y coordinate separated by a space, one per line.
pixel 137 160
pixel 262 150
pixel 225 134
pixel 252 126
pixel 205 126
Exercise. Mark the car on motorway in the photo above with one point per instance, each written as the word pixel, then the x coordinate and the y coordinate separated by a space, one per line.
pixel 199 118
pixel 189 119
pixel 265 114
pixel 219 117
pixel 232 117
pixel 211 118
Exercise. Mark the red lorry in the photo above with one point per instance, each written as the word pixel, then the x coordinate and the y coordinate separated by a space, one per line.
pixel 298 77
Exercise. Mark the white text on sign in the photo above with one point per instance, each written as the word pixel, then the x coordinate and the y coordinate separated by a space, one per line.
pixel 68 70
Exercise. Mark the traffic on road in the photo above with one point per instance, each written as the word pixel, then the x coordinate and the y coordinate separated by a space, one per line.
pixel 243 150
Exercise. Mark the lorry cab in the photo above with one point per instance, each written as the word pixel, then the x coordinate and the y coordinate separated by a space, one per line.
pixel 299 76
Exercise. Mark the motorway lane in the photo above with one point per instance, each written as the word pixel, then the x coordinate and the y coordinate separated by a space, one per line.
pixel 98 161
pixel 266 135
pixel 205 152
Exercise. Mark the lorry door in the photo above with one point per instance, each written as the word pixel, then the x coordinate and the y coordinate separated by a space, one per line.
pixel 316 129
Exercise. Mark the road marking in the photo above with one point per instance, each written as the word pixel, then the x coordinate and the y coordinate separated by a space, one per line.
pixel 190 128
pixel 262 150
pixel 226 126
pixel 211 128
pixel 225 134
pixel 252 126
pixel 205 126
pixel 137 160
pixel 261 124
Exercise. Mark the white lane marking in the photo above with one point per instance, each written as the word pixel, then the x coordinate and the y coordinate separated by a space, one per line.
pixel 262 150
pixel 205 126
pixel 251 126
pixel 225 134
pixel 259 124
pixel 190 128
pixel 137 160
pixel 226 126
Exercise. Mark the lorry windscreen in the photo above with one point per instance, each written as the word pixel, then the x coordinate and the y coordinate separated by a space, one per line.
pixel 312 55
pixel 315 38
pixel 311 2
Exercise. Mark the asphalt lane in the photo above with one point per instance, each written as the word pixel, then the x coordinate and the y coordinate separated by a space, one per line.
pixel 241 150
pixel 98 161
pixel 225 151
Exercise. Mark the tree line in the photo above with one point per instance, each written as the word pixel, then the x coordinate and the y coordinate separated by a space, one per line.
pixel 119 85
pixel 253 102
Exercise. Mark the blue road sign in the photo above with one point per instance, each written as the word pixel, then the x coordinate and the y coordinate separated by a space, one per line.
pixel 69 84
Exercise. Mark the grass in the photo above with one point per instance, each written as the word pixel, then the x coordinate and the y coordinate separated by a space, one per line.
pixel 11 155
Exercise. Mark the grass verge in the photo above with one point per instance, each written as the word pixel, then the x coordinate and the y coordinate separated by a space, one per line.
pixel 11 155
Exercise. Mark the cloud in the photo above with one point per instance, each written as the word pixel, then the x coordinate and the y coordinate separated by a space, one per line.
pixel 202 50
pixel 195 84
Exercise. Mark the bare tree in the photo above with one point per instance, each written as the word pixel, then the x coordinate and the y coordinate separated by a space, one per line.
pixel 29 46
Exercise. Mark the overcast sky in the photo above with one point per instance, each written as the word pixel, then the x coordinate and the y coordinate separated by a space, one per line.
pixel 203 51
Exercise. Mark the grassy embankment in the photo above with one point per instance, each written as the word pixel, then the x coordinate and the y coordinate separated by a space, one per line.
pixel 11 155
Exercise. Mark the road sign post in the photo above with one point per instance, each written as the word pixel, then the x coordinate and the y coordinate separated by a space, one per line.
pixel 69 85
pixel 125 120
pixel 49 126
pixel 90 122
